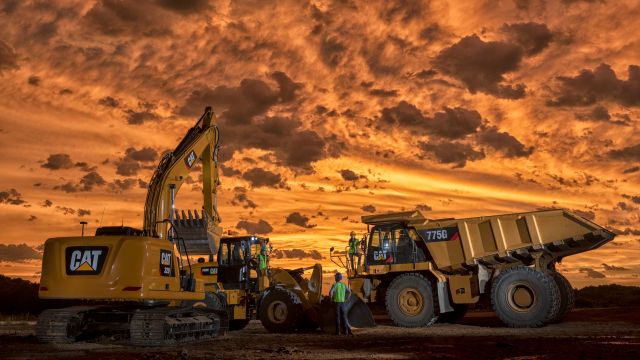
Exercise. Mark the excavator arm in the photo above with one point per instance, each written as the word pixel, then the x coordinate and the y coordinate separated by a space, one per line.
pixel 198 235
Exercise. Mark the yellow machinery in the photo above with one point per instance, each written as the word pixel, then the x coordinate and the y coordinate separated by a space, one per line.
pixel 282 299
pixel 136 280
pixel 425 270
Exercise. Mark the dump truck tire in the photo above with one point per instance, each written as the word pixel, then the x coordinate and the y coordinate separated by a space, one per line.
pixel 280 311
pixel 453 317
pixel 410 301
pixel 525 297
pixel 238 324
pixel 567 296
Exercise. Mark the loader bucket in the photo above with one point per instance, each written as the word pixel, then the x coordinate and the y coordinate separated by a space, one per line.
pixel 358 314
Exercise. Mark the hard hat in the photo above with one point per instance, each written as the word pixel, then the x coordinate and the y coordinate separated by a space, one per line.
pixel 353 233
pixel 338 276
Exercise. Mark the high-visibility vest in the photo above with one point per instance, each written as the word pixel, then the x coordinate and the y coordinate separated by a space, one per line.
pixel 263 261
pixel 353 246
pixel 339 292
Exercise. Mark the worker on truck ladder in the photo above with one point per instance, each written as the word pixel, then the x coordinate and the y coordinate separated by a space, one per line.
pixel 354 251
pixel 339 293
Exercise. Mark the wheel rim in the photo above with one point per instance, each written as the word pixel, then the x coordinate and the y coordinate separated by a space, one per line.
pixel 521 297
pixel 277 312
pixel 410 301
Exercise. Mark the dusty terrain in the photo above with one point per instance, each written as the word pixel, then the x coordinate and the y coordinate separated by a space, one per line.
pixel 588 333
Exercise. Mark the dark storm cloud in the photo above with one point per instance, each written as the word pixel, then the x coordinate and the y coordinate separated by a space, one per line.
pixel 142 17
pixel 87 183
pixel 631 170
pixel 185 6
pixel 383 93
pixel 613 267
pixel 84 212
pixel 592 273
pixel 140 117
pixel 84 166
pixel 403 10
pixel 240 198
pixel 32 218
pixel 633 198
pixel 258 177
pixel 629 153
pixel 8 58
pixel 481 65
pixel 454 123
pixel 448 123
pixel 368 208
pixel 451 152
pixel 332 51
pixel 58 161
pixel 65 210
pixel 119 185
pixel 133 160
pixel 47 203
pixel 260 227
pixel 296 254
pixel 532 37
pixel 20 252
pixel 503 142
pixel 298 219
pixel 109 101
pixel 598 113
pixel 293 146
pixel 349 175
pixel 11 197
pixel 34 80
pixel 252 97
pixel 10 6
pixel 601 83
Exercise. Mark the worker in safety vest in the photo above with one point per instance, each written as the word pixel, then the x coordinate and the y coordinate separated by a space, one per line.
pixel 354 251
pixel 339 294
pixel 263 262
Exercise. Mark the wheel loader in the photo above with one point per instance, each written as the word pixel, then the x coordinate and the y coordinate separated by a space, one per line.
pixel 140 281
pixel 426 270
pixel 284 300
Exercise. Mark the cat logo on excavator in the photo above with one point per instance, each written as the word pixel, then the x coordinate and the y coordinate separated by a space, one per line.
pixel 85 260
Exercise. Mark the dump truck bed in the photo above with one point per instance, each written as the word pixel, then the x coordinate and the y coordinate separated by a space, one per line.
pixel 490 240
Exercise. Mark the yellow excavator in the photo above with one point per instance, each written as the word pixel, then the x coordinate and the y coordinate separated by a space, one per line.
pixel 139 281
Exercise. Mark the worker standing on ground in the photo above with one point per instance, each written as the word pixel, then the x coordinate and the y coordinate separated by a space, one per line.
pixel 354 251
pixel 339 293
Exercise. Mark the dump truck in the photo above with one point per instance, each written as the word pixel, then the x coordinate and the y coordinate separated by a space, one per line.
pixel 284 300
pixel 424 270
pixel 140 281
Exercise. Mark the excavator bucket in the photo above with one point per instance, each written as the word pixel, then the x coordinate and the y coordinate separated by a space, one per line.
pixel 194 234
pixel 358 314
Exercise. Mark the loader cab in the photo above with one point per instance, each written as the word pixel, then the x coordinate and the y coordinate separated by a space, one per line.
pixel 390 244
pixel 237 260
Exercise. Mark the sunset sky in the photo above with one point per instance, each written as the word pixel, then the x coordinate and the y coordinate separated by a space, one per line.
pixel 328 110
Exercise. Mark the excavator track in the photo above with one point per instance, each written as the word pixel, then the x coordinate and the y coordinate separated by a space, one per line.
pixel 172 326
pixel 61 325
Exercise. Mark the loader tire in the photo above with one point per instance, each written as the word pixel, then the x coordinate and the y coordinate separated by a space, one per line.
pixel 238 324
pixel 567 296
pixel 411 301
pixel 525 297
pixel 280 311
pixel 453 317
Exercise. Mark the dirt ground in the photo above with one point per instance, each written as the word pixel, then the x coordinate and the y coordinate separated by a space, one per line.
pixel 585 334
